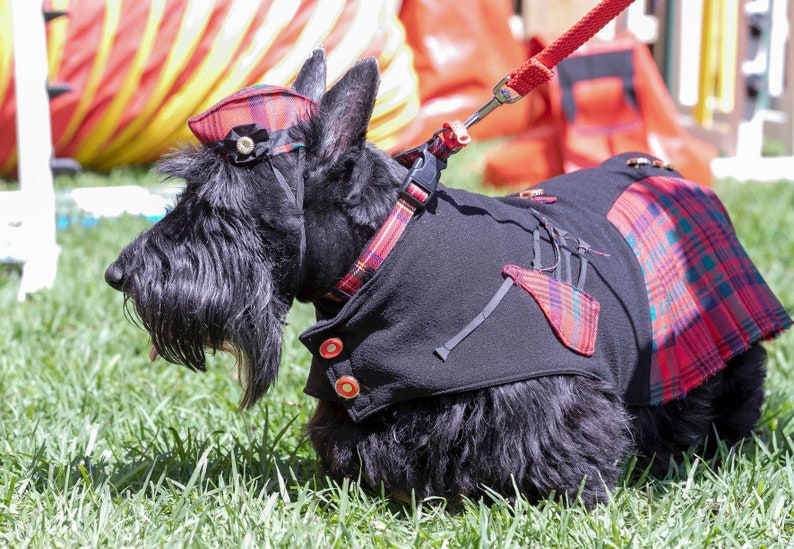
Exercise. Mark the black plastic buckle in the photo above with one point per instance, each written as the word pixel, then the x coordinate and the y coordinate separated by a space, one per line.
pixel 425 173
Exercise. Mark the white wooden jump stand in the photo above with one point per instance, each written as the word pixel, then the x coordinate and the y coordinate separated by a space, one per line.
pixel 740 130
pixel 27 215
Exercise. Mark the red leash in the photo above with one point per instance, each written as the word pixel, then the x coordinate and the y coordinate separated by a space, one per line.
pixel 529 76
pixel 539 69
pixel 535 71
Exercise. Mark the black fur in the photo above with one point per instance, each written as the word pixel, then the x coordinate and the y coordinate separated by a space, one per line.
pixel 201 278
pixel 220 272
pixel 725 408
pixel 553 434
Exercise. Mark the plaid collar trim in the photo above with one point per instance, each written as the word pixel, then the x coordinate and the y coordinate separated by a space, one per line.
pixel 425 163
pixel 379 248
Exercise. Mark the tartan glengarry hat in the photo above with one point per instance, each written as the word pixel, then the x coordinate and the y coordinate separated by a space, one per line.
pixel 252 123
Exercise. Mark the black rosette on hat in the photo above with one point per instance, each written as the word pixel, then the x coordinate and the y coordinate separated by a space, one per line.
pixel 244 145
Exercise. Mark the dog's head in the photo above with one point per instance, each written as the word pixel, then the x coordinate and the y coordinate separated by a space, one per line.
pixel 271 191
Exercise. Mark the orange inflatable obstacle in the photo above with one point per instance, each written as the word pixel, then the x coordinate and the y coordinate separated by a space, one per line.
pixel 461 50
pixel 605 99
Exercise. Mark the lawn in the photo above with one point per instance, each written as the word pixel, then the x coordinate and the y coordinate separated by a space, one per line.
pixel 101 448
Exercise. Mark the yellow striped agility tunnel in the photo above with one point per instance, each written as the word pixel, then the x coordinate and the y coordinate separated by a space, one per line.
pixel 139 69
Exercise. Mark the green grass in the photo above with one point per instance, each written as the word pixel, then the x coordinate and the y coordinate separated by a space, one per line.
pixel 101 448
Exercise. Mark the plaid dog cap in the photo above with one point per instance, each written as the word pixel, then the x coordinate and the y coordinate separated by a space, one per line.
pixel 273 108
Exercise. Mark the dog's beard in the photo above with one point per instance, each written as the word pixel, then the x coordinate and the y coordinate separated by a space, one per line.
pixel 211 302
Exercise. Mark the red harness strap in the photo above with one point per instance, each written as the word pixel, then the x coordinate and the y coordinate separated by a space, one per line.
pixel 379 247
pixel 427 160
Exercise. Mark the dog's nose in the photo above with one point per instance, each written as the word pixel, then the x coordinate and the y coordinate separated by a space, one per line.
pixel 114 276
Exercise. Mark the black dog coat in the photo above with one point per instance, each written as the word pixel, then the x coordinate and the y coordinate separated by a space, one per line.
pixel 625 272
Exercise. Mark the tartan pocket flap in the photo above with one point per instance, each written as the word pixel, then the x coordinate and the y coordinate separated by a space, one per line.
pixel 571 312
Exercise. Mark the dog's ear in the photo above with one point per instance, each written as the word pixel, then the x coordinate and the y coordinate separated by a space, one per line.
pixel 346 109
pixel 310 81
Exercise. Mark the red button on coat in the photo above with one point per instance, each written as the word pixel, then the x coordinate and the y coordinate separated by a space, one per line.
pixel 347 387
pixel 331 348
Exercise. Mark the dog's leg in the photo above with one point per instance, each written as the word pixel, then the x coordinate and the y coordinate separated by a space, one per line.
pixel 550 435
pixel 729 403
pixel 738 408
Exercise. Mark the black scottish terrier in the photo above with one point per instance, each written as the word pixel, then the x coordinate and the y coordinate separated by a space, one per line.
pixel 494 347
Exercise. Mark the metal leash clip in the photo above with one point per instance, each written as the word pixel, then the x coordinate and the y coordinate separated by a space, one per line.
pixel 501 95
